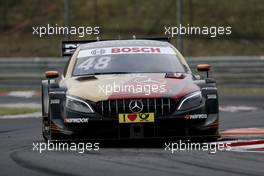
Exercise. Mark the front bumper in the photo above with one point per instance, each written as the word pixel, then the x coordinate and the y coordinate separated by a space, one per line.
pixel 163 127
pixel 176 124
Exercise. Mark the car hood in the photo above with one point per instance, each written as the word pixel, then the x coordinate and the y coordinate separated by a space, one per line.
pixel 124 86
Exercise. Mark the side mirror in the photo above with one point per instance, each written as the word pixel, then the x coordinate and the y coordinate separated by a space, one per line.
pixel 204 67
pixel 52 74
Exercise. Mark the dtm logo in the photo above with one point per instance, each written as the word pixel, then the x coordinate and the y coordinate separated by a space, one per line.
pixel 98 51
pixel 136 106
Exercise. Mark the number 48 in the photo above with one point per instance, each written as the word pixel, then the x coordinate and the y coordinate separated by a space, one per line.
pixel 101 63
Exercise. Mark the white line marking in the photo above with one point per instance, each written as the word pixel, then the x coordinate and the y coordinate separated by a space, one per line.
pixel 20 105
pixel 237 108
pixel 25 94
pixel 23 116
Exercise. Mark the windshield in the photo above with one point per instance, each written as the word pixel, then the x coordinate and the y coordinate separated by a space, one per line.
pixel 101 61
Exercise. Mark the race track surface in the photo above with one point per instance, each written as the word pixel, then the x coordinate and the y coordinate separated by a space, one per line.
pixel 18 157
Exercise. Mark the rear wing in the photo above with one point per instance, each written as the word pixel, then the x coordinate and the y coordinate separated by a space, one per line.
pixel 68 47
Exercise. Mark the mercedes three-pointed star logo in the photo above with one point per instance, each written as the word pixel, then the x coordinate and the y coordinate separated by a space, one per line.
pixel 136 106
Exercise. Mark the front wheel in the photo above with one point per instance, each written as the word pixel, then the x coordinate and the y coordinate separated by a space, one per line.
pixel 45 128
pixel 47 131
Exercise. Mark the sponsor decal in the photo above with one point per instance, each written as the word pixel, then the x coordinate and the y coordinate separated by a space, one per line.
pixel 55 101
pixel 126 50
pixel 136 118
pixel 76 120
pixel 98 52
pixel 175 75
pixel 136 50
pixel 211 96
pixel 196 116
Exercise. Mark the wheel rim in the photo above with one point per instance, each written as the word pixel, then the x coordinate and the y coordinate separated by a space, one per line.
pixel 45 129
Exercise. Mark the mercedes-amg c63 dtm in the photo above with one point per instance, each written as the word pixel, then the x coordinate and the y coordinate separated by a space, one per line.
pixel 127 89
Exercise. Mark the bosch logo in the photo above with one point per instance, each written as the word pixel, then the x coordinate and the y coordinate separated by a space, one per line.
pixel 136 50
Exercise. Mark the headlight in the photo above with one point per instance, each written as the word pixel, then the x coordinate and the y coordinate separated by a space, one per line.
pixel 78 105
pixel 190 101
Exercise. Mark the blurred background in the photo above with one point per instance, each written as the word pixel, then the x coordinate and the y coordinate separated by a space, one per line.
pixel 237 59
pixel 133 17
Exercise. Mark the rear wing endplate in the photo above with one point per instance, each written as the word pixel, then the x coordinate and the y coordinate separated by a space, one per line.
pixel 68 47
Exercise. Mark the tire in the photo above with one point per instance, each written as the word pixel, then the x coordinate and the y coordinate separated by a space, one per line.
pixel 47 132
pixel 45 129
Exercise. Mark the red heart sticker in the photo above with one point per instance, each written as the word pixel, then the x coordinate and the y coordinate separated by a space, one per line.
pixel 132 117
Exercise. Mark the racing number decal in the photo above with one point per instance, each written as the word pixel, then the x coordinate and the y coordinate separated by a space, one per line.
pixel 86 65
pixel 101 63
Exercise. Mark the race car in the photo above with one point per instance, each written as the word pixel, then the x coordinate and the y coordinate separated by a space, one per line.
pixel 128 89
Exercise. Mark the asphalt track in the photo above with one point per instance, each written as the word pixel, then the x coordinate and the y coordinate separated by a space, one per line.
pixel 18 158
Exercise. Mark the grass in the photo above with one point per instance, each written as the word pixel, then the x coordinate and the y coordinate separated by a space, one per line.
pixel 17 110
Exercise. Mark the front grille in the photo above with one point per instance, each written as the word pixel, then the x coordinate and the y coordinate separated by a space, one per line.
pixel 160 106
